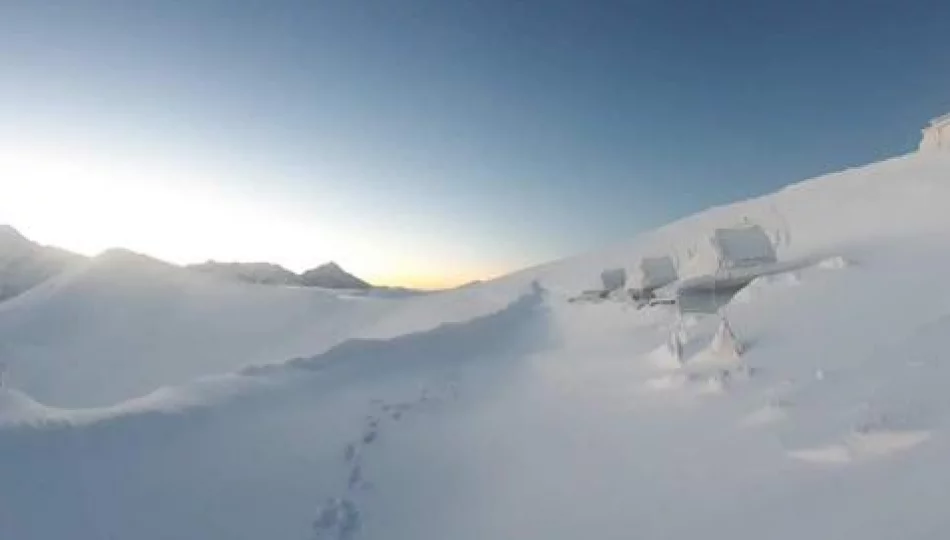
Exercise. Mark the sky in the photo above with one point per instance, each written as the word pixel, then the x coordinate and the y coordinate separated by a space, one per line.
pixel 432 142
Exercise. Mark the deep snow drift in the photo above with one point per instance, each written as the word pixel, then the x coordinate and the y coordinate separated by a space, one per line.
pixel 502 410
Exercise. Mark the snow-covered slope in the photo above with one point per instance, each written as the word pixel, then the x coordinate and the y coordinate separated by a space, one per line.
pixel 527 416
pixel 123 324
pixel 263 273
pixel 25 264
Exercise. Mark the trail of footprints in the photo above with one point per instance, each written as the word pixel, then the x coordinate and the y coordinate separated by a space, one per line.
pixel 340 518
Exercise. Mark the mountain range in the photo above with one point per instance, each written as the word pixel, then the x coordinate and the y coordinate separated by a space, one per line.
pixel 24 264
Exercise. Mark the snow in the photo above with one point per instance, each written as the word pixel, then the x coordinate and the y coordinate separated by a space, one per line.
pixel 328 276
pixel 613 279
pixel 331 276
pixel 501 409
pixel 259 272
pixel 25 264
pixel 653 272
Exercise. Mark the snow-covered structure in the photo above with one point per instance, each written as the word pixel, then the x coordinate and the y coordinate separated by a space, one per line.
pixel 936 136
pixel 731 249
pixel 613 279
pixel 653 272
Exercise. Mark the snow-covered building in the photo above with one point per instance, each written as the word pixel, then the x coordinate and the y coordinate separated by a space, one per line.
pixel 936 136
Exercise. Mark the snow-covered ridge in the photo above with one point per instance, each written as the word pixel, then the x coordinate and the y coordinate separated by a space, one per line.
pixel 360 355
pixel 900 197
pixel 25 264
pixel 328 276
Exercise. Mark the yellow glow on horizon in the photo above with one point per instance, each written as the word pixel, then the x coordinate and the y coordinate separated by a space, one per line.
pixel 425 282
pixel 88 201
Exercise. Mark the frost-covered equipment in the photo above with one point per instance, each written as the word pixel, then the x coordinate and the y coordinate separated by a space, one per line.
pixel 731 251
pixel 653 273
pixel 744 247
pixel 724 262
pixel 650 274
pixel 613 279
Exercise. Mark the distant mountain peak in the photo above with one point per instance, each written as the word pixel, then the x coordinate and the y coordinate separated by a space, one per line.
pixel 332 276
pixel 329 275
pixel 127 256
pixel 9 235
pixel 25 264
pixel 251 272
pixel 9 230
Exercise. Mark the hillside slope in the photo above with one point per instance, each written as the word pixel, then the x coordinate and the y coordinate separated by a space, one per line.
pixel 25 264
pixel 527 416
pixel 123 324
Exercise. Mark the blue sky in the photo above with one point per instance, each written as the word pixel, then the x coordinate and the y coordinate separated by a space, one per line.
pixel 430 142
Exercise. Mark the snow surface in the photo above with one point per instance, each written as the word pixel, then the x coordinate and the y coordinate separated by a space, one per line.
pixel 24 264
pixel 501 410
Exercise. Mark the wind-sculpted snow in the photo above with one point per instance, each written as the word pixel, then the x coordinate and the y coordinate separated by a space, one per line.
pixel 261 454
pixel 486 336
pixel 501 333
pixel 125 325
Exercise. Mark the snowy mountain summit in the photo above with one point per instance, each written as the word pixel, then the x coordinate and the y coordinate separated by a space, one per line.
pixel 331 276
pixel 327 276
pixel 25 264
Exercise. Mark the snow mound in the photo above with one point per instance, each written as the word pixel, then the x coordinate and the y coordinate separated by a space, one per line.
pixel 771 413
pixel 663 357
pixel 861 446
pixel 834 263
pixel 762 284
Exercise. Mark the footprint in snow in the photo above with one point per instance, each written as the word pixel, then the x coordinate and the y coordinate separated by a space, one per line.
pixel 350 452
pixel 337 519
pixel 370 435
pixel 356 477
